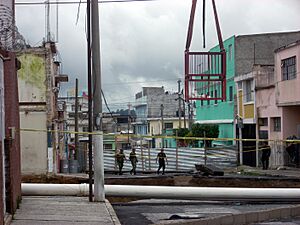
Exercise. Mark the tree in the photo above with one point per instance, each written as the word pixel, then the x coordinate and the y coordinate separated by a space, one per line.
pixel 181 132
pixel 205 130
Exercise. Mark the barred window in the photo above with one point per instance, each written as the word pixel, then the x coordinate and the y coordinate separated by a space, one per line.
pixel 288 68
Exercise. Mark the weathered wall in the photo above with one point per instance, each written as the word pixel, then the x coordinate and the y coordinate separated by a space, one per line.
pixel 32 78
pixel 34 144
pixel 259 49
pixel 12 121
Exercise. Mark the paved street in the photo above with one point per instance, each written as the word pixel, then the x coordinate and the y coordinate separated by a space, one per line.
pixel 63 211
pixel 164 211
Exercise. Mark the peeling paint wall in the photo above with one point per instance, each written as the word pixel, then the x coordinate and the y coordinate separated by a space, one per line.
pixel 32 78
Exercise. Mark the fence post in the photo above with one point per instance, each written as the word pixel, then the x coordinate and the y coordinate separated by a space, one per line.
pixel 142 156
pixel 205 155
pixel 176 150
pixel 116 149
pixel 149 157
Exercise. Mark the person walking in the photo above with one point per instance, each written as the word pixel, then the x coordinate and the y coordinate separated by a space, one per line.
pixel 120 157
pixel 133 160
pixel 266 152
pixel 162 160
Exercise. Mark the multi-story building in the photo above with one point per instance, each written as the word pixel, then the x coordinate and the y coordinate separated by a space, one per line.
pixel 242 52
pixel 39 83
pixel 154 105
pixel 278 102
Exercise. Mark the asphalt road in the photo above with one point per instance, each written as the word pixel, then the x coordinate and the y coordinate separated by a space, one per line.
pixel 151 211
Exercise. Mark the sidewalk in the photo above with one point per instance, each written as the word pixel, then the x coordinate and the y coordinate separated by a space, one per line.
pixel 63 210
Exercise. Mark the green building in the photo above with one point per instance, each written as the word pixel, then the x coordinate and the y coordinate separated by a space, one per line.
pixel 216 111
pixel 242 53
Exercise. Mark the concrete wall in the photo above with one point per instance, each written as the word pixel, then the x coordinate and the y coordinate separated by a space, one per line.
pixel 290 121
pixel 34 144
pixel 259 49
pixel 288 91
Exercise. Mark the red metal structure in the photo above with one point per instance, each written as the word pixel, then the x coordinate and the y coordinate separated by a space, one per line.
pixel 205 72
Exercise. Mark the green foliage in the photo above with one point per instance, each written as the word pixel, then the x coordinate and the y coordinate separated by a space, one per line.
pixel 181 132
pixel 207 130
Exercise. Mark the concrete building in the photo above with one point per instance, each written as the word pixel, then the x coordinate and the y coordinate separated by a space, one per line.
pixel 148 105
pixel 278 102
pixel 157 129
pixel 242 52
pixel 39 83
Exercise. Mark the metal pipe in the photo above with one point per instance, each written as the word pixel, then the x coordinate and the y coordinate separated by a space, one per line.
pixel 169 192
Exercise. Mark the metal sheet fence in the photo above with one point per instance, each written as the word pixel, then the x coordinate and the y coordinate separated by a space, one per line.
pixel 183 159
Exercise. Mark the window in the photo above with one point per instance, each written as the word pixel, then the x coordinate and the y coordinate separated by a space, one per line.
pixel 263 121
pixel 288 68
pixel 277 123
pixel 248 93
pixel 168 125
pixel 240 85
pixel 230 93
pixel 230 52
pixel 107 146
pixel 216 94
pixel 201 102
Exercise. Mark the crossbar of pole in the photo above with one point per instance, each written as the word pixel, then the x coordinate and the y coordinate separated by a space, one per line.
pixel 168 192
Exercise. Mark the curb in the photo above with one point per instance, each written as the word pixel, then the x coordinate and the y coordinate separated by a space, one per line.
pixel 112 213
pixel 242 218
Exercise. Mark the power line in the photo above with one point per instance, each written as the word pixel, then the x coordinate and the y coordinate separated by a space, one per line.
pixel 77 2
pixel 138 82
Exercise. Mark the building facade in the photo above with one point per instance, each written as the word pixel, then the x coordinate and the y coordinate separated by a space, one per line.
pixel 39 83
pixel 242 53
pixel 278 103
pixel 155 102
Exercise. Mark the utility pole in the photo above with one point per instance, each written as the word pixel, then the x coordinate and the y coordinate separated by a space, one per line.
pixel 76 120
pixel 184 119
pixel 90 103
pixel 162 124
pixel 179 103
pixel 128 122
pixel 99 195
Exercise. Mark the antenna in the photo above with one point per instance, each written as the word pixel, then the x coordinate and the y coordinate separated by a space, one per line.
pixel 47 21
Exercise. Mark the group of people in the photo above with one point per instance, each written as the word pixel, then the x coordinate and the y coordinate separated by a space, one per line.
pixel 121 157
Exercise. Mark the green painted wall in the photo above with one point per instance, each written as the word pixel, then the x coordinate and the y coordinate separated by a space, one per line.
pixel 222 110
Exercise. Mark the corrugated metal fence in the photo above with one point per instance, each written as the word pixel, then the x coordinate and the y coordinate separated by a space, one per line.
pixel 182 160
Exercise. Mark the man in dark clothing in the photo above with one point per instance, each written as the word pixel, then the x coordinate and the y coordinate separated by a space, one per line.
pixel 120 157
pixel 162 159
pixel 133 160
pixel 266 152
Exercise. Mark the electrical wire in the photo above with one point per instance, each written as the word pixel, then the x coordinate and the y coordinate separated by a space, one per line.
pixel 108 107
pixel 76 2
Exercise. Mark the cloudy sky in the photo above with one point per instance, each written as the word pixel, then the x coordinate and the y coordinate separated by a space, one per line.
pixel 142 43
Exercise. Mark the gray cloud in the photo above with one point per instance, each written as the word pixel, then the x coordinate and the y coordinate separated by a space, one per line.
pixel 144 41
